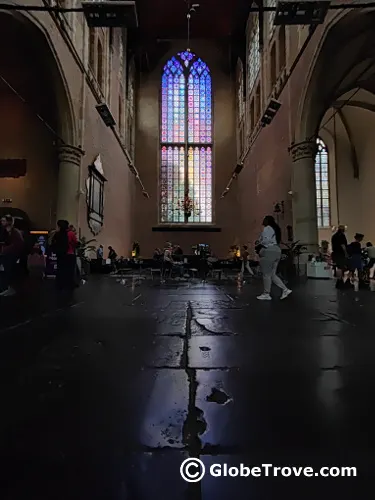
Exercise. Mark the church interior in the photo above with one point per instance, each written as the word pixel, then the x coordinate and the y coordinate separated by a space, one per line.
pixel 192 111
pixel 164 135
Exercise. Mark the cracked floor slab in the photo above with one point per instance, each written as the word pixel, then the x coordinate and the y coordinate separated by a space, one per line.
pixel 112 397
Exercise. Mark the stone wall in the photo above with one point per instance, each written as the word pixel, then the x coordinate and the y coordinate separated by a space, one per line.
pixel 267 177
pixel 63 45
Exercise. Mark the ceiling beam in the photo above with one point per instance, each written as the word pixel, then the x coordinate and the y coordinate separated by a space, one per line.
pixel 355 104
pixel 353 152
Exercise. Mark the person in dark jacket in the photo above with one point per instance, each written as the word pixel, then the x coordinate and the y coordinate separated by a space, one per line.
pixel 11 251
pixel 4 235
pixel 340 256
pixel 355 255
pixel 112 255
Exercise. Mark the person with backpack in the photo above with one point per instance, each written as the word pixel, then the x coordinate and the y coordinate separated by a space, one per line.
pixel 64 244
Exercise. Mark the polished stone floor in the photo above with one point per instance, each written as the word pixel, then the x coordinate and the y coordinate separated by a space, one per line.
pixel 104 395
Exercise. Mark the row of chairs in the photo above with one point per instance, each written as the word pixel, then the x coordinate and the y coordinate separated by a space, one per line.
pixel 194 268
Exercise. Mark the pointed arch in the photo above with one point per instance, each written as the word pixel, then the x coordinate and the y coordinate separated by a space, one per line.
pixel 186 141
pixel 323 207
pixel 67 126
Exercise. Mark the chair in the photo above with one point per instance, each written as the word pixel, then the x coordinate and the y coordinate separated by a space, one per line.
pixel 155 271
pixel 155 268
pixel 216 272
pixel 193 272
pixel 166 270
pixel 194 266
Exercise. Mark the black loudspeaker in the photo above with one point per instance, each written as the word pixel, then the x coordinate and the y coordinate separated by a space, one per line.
pixel 238 168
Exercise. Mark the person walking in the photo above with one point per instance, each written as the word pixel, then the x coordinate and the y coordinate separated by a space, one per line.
pixel 10 253
pixel 168 262
pixel 269 258
pixel 112 257
pixel 355 256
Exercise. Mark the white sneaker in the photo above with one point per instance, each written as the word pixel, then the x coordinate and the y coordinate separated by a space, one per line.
pixel 264 296
pixel 8 293
pixel 285 294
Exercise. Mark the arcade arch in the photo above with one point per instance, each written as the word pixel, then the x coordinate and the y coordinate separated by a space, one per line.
pixel 338 105
pixel 32 87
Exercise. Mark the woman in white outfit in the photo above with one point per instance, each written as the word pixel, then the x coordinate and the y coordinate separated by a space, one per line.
pixel 270 255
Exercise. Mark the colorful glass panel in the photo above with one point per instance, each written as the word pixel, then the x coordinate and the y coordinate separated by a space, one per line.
pixel 322 186
pixel 173 102
pixel 240 93
pixel 271 16
pixel 184 174
pixel 172 183
pixel 186 57
pixel 200 182
pixel 199 104
pixel 253 61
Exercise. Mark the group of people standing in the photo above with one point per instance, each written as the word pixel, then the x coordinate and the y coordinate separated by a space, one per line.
pixel 14 252
pixel 351 260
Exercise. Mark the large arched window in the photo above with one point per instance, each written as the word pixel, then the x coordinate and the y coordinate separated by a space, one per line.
pixel 100 72
pixel 253 54
pixel 92 40
pixel 322 185
pixel 271 16
pixel 240 91
pixel 186 141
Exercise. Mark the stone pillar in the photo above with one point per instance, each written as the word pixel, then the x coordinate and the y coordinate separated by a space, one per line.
pixel 68 183
pixel 304 194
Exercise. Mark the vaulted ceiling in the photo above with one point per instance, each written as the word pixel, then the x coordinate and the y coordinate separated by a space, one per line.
pixel 166 19
pixel 161 21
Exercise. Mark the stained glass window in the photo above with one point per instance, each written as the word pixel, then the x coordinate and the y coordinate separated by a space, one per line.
pixel 322 185
pixel 186 141
pixel 271 17
pixel 240 92
pixel 253 55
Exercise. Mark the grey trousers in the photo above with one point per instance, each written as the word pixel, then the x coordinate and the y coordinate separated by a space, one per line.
pixel 269 260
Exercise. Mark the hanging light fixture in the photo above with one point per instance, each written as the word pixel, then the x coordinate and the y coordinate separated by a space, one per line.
pixel 191 9
pixel 187 206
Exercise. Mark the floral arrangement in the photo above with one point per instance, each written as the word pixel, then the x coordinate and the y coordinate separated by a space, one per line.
pixel 187 206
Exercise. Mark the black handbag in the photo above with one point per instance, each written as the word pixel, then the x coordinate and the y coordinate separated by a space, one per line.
pixel 258 248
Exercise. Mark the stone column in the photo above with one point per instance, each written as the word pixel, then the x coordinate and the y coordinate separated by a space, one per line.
pixel 304 194
pixel 68 183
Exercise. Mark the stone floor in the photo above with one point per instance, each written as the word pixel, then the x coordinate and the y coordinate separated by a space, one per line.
pixel 105 395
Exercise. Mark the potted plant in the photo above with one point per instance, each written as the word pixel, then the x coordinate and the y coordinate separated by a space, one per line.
pixel 291 258
pixel 84 247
